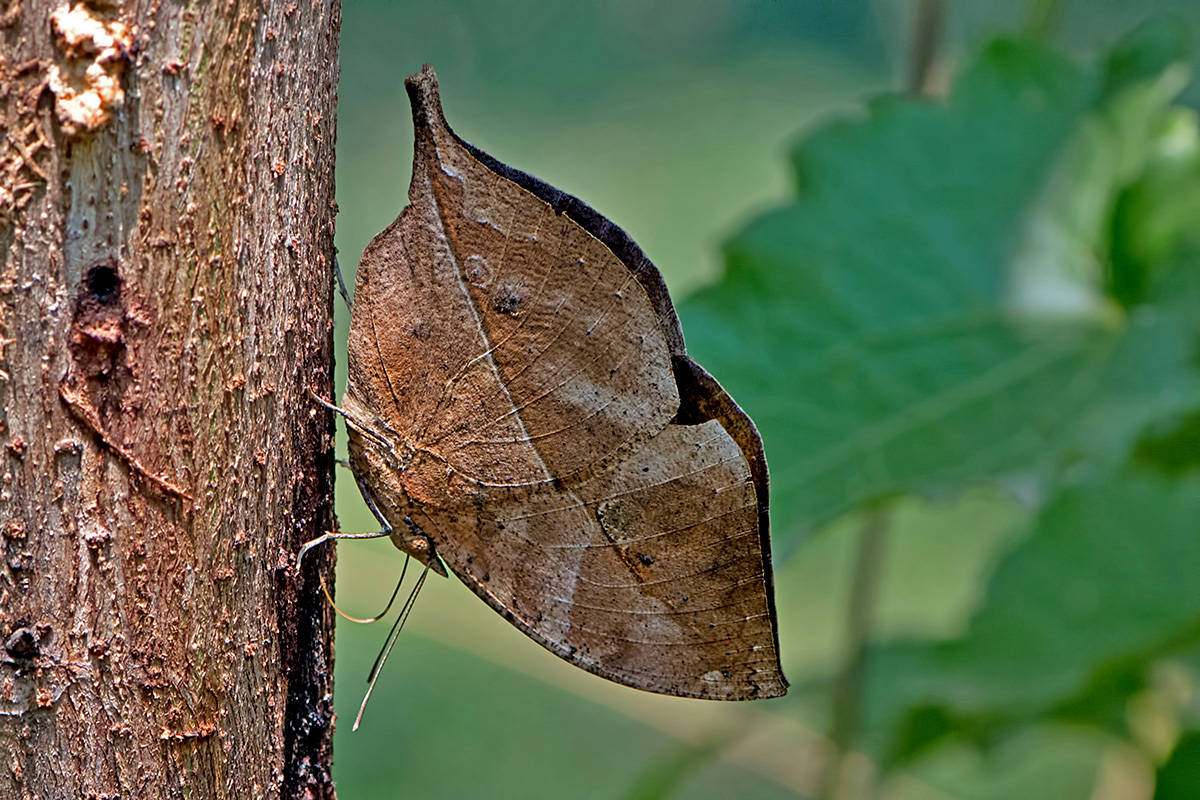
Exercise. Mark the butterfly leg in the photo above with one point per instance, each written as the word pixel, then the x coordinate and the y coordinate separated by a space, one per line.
pixel 337 270
pixel 332 535
pixel 385 526
pixel 415 543
pixel 369 499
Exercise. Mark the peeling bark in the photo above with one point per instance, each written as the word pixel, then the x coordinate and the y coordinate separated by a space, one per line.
pixel 166 230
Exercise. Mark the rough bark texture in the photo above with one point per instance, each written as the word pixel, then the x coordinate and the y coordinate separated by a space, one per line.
pixel 166 226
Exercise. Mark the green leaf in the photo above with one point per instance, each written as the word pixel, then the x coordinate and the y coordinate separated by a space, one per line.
pixel 1104 585
pixel 1146 52
pixel 1061 263
pixel 663 778
pixel 1046 762
pixel 1179 778
pixel 892 331
pixel 1174 449
pixel 1172 444
pixel 446 723
pixel 1156 215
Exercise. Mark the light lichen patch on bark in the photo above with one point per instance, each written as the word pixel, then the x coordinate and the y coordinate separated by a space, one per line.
pixel 86 81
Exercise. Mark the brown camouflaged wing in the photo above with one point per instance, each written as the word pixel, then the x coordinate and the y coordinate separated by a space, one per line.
pixel 521 366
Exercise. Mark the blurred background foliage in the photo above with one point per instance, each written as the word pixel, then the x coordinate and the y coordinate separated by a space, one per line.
pixel 969 329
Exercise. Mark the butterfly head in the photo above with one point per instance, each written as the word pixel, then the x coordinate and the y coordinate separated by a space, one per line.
pixel 415 543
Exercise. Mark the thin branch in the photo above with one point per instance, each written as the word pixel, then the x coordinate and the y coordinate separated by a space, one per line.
pixel 926 40
pixel 860 613
pixel 872 538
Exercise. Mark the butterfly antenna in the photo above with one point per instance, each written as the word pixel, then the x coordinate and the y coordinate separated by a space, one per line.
pixel 388 644
pixel 381 614
pixel 394 633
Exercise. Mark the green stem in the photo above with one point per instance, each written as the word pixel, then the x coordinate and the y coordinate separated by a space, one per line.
pixel 860 613
pixel 872 537
pixel 926 37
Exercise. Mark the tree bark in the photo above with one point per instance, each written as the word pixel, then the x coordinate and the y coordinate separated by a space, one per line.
pixel 166 230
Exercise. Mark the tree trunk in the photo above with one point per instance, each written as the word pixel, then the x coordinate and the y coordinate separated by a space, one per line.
pixel 166 230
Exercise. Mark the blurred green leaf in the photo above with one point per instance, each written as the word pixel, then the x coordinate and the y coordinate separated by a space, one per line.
pixel 1179 778
pixel 1174 449
pixel 1156 215
pixel 1146 52
pixel 662 778
pixel 1046 762
pixel 463 726
pixel 1061 263
pixel 1106 581
pixel 892 331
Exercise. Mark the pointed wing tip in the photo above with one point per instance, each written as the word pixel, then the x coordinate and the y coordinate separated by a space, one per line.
pixel 425 77
pixel 425 98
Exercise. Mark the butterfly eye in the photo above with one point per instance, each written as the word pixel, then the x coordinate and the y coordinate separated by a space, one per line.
pixel 420 547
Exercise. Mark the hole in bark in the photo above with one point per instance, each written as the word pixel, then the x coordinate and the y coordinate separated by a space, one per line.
pixel 104 283
pixel 22 643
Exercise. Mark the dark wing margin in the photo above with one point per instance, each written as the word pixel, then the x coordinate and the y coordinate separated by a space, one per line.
pixel 613 237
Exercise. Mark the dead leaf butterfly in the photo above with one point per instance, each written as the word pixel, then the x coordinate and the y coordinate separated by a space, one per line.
pixel 521 407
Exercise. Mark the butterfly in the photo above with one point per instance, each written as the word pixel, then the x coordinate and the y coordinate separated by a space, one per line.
pixel 522 410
